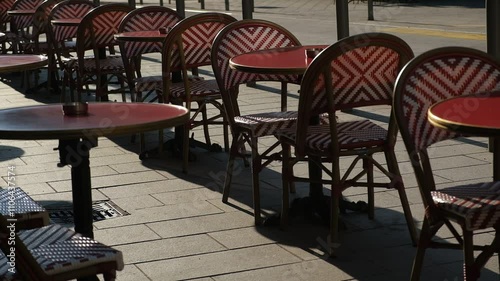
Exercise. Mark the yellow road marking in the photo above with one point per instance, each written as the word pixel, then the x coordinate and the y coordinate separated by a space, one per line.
pixel 438 33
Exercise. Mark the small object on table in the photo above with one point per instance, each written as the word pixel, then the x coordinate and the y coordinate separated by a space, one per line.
pixel 164 30
pixel 75 108
pixel 313 52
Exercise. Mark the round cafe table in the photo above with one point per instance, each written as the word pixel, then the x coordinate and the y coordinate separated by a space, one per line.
pixel 141 36
pixel 77 135
pixel 474 115
pixel 15 63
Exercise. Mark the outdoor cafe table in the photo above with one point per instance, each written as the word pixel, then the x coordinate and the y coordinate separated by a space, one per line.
pixel 76 132
pixel 141 36
pixel 15 63
pixel 475 115
pixel 288 60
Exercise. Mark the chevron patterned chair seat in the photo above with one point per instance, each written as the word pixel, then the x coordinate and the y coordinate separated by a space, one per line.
pixel 16 205
pixel 146 84
pixel 432 77
pixel 242 37
pixel 351 136
pixel 55 252
pixel 95 33
pixel 187 46
pixel 358 71
pixel 48 252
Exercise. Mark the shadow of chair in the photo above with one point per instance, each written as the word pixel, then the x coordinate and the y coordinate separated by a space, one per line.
pixel 358 71
pixel 95 34
pixel 187 46
pixel 432 77
pixel 238 38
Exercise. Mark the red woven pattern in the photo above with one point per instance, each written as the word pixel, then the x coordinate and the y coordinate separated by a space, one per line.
pixel 439 79
pixel 246 39
pixel 104 27
pixel 151 20
pixel 5 5
pixel 68 11
pixel 478 203
pixel 268 123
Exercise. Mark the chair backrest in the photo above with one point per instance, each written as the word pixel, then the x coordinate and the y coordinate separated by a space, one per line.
pixel 357 71
pixel 41 17
pixel 5 5
pixel 189 43
pixel 146 18
pixel 67 10
pixel 98 27
pixel 21 22
pixel 242 37
pixel 431 77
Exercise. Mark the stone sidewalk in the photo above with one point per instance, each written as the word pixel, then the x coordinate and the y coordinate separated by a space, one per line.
pixel 174 225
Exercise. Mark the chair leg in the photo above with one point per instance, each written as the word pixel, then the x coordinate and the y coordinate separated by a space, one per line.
pixel 286 176
pixel 185 148
pixel 230 166
pixel 333 240
pixel 256 167
pixel 109 276
pixel 392 164
pixel 425 238
pixel 368 167
pixel 471 270
pixel 203 107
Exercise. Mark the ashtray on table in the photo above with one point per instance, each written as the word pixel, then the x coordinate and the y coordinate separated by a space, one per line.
pixel 313 52
pixel 75 108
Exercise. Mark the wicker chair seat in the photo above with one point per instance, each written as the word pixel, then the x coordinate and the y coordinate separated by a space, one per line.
pixel 352 135
pixel 150 83
pixel 57 249
pixel 26 211
pixel 199 88
pixel 478 204
pixel 268 123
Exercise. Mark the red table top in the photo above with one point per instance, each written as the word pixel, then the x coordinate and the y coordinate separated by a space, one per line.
pixel 475 115
pixel 103 119
pixel 147 35
pixel 67 22
pixel 13 63
pixel 290 60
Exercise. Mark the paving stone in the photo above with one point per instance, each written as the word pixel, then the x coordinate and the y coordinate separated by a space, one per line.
pixel 146 188
pixel 162 213
pixel 218 263
pixel 205 224
pixel 125 235
pixel 183 196
pixel 138 202
pixel 166 249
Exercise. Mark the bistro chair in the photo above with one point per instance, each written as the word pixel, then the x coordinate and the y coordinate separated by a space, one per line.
pixel 46 252
pixel 149 18
pixel 187 46
pixel 95 33
pixel 9 42
pixel 242 37
pixel 358 71
pixel 431 77
pixel 63 39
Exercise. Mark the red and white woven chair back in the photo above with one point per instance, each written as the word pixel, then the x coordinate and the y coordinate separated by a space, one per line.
pixel 247 36
pixel 70 9
pixel 24 21
pixel 435 76
pixel 196 34
pixel 99 26
pixel 146 18
pixel 41 17
pixel 5 5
